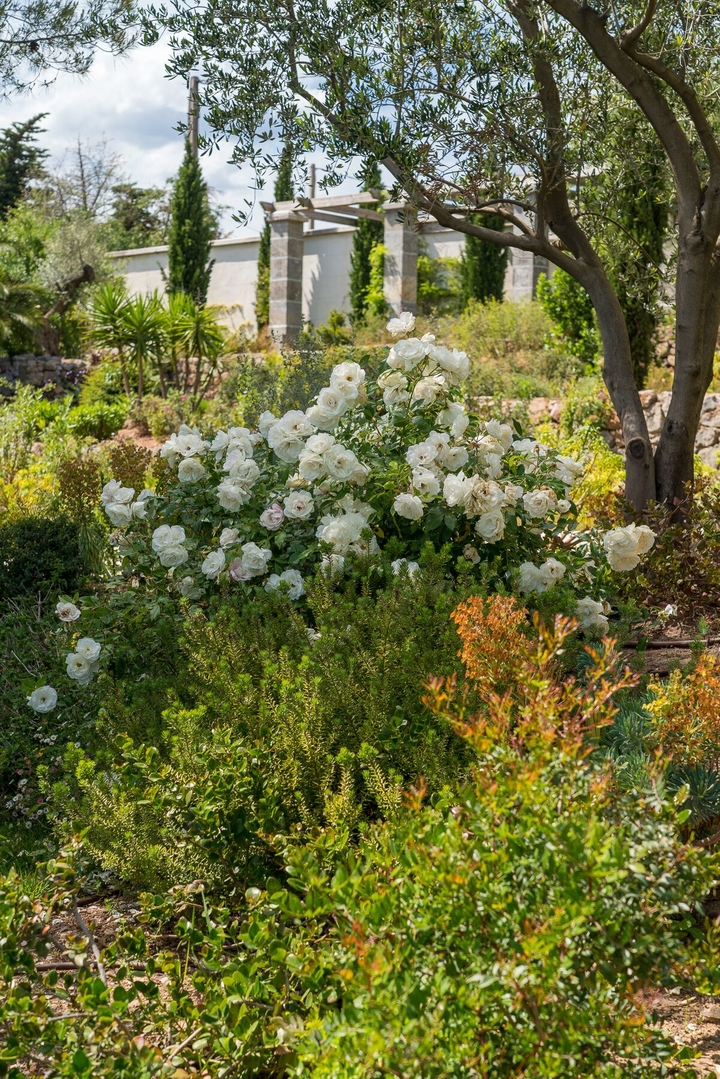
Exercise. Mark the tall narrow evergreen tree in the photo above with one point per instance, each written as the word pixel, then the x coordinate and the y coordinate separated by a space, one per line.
pixel 482 270
pixel 367 235
pixel 190 233
pixel 20 159
pixel 284 191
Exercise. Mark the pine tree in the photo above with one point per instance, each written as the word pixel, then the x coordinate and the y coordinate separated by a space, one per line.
pixel 190 233
pixel 20 160
pixel 284 191
pixel 483 264
pixel 368 235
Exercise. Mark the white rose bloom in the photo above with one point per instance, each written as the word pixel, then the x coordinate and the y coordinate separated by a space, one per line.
pixel 286 435
pixel 341 531
pixel 425 482
pixel 484 497
pixel 406 355
pixel 186 586
pixel 242 470
pixel 228 536
pixel 173 556
pixel 539 503
pixel 330 406
pixel 564 505
pixel 567 470
pixel 219 444
pixel 190 470
pixel 318 444
pixel 394 386
pixel 454 417
pixel 88 648
pixel 237 571
pixel 79 668
pixel 429 389
pixel 299 505
pixel 670 610
pixel 494 466
pixel 512 493
pixel 232 496
pixel 471 553
pixel 360 475
pixel 213 565
pixel 67 612
pixel 457 488
pixel 169 453
pixel 551 572
pixel 530 579
pixel 490 526
pixel 422 454
pixel 453 457
pixel 455 363
pixel 255 559
pixel 273 517
pixel 645 538
pixel 311 467
pixel 347 378
pixel 625 546
pixel 239 438
pixel 404 323
pixel 43 699
pixel 400 564
pixel 340 462
pixel 167 536
pixel 139 508
pixel 590 615
pixel 119 513
pixel 189 441
pixel 235 456
pixel 290 577
pixel 113 494
pixel 502 433
pixel 266 421
pixel 408 506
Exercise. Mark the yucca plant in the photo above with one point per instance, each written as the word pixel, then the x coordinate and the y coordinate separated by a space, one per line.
pixel 196 334
pixel 107 323
pixel 144 329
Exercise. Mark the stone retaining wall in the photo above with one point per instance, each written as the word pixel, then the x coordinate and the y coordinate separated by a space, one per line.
pixel 52 371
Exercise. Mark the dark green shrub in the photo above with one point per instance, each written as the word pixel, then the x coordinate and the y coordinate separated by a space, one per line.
pixel 39 554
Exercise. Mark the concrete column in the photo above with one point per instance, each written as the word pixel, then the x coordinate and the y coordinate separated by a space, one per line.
pixel 286 261
pixel 401 255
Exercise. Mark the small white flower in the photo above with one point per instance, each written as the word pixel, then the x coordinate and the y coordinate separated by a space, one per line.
pixel 228 536
pixel 340 463
pixel 471 553
pixel 79 668
pixel 67 612
pixel 552 571
pixel 457 488
pixel 299 505
pixel 530 579
pixel 331 405
pixel 114 493
pixel 190 470
pixel 273 517
pixel 512 493
pixel 292 578
pixel 43 699
pixel 671 610
pixel 255 559
pixel 404 323
pixel 407 354
pixel 119 513
pixel 231 495
pixel 88 648
pixel 539 503
pixel 425 482
pixel 265 422
pixel 590 615
pixel 347 379
pixel 490 526
pixel 213 565
pixel 409 506
pixel 454 417
pixel 422 454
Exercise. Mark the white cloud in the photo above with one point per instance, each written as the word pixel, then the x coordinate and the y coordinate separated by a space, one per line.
pixel 133 104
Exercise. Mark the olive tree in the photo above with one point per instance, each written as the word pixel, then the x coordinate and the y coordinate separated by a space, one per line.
pixel 504 107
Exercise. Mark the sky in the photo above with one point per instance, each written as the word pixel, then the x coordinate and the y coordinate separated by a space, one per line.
pixel 130 102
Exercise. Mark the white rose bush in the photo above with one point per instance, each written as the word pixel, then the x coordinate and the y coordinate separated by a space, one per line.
pixel 370 473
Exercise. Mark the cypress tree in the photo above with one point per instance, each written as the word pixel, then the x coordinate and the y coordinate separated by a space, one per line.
pixel 190 233
pixel 284 191
pixel 368 235
pixel 20 160
pixel 482 268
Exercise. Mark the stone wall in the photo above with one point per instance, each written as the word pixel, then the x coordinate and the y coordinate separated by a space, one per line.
pixel 55 372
